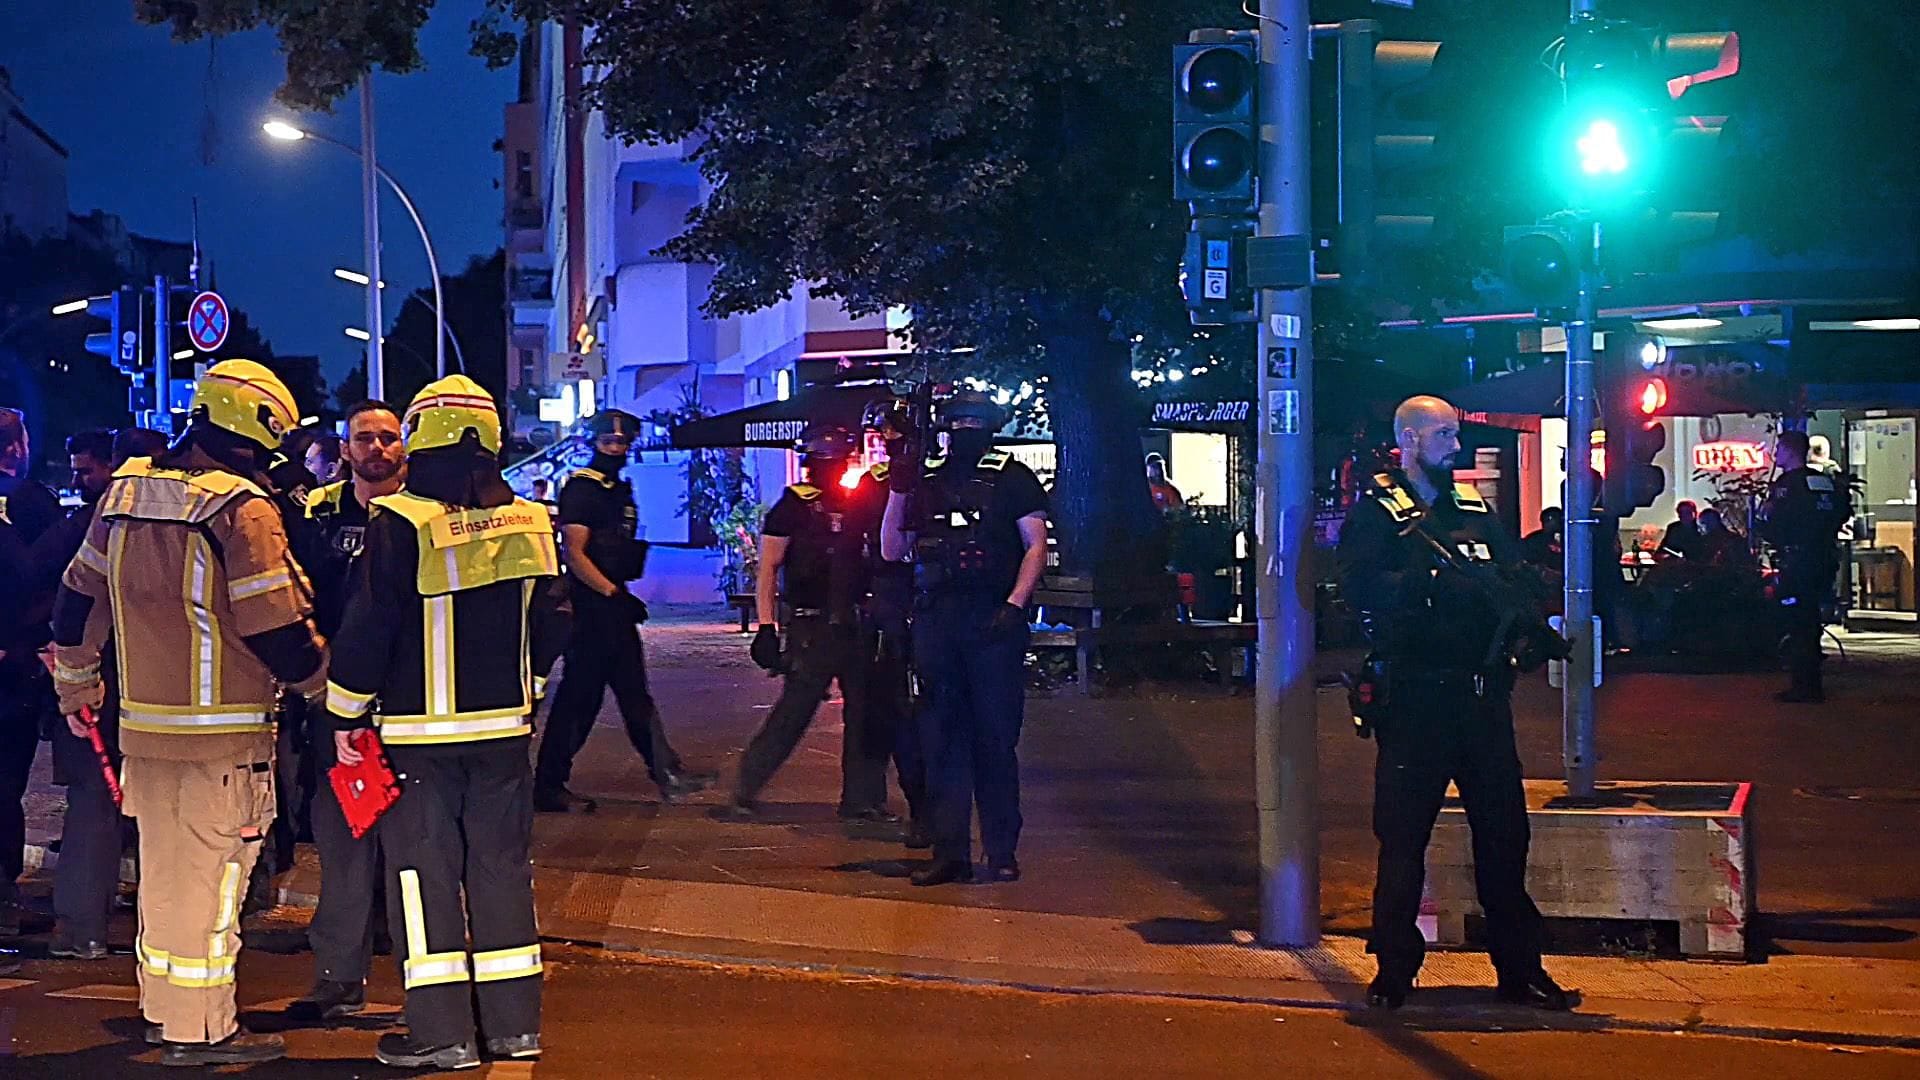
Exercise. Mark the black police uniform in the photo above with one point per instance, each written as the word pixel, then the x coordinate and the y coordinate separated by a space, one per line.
pixel 605 647
pixel 1802 516
pixel 832 534
pixel 967 554
pixel 1448 718
pixel 28 510
pixel 342 930
pixel 91 833
pixel 886 644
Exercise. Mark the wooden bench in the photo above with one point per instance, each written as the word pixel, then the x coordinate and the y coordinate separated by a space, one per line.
pixel 1077 602
pixel 1651 851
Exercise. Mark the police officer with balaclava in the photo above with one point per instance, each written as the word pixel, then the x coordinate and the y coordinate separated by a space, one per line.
pixel 974 523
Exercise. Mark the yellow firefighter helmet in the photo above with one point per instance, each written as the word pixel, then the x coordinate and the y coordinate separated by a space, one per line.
pixel 246 399
pixel 446 409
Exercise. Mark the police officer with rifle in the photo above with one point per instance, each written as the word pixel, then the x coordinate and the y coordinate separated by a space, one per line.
pixel 1802 515
pixel 974 522
pixel 818 541
pixel 1424 560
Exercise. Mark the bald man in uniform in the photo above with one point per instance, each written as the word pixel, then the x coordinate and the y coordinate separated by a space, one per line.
pixel 1448 717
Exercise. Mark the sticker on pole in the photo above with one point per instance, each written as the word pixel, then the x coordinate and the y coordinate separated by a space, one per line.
pixel 207 321
pixel 1283 412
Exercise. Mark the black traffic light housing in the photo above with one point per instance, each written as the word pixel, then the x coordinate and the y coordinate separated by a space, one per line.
pixel 1543 263
pixel 1633 402
pixel 121 343
pixel 1215 122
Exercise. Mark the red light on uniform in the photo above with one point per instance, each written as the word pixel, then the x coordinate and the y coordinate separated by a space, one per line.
pixel 1653 396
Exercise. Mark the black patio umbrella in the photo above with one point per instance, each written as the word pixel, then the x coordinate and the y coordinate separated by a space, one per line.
pixel 777 424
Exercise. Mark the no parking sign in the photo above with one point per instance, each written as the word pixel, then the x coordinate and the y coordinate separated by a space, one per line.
pixel 207 321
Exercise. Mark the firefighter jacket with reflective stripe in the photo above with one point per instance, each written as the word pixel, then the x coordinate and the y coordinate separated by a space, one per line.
pixel 436 645
pixel 181 564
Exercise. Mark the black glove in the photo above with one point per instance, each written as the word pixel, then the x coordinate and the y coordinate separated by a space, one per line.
pixel 636 607
pixel 904 472
pixel 1007 619
pixel 765 649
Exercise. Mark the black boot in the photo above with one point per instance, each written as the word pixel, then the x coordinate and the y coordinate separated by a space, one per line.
pixel 919 835
pixel 329 1000
pixel 1003 870
pixel 398 1049
pixel 1538 991
pixel 943 872
pixel 562 801
pixel 239 1048
pixel 738 808
pixel 675 786
pixel 1388 991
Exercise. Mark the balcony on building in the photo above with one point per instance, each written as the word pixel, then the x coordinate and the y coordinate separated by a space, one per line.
pixel 530 293
pixel 526 226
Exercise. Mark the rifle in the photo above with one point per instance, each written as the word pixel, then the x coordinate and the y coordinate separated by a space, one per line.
pixel 1524 633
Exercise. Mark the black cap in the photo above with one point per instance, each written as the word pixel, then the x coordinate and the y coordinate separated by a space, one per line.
pixel 614 422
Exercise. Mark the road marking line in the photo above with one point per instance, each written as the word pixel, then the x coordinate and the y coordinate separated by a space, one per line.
pixel 15 984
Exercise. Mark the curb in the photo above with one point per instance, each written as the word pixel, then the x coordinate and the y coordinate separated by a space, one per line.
pixel 1414 1018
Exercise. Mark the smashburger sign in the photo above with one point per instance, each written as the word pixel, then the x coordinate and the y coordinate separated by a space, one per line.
pixel 468 526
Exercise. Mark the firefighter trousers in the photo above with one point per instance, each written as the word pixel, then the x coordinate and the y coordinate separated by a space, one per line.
pixel 464 822
pixel 201 824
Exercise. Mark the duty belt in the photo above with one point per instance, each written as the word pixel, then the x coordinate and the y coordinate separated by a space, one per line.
pixel 1479 680
pixel 823 613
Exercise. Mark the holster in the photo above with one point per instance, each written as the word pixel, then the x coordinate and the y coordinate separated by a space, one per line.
pixel 1369 689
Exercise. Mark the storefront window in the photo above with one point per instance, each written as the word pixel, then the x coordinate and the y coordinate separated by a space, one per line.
pixel 1880 451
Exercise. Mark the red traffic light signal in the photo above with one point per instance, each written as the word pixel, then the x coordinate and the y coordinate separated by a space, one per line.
pixel 1653 397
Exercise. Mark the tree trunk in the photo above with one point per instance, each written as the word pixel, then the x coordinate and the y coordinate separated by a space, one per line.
pixel 1105 519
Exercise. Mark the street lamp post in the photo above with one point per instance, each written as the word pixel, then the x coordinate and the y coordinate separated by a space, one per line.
pixel 288 133
pixel 453 339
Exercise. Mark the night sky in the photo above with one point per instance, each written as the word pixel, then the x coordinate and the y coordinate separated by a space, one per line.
pixel 130 106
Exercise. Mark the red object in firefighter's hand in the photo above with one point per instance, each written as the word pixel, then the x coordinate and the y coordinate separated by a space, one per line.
pixel 100 754
pixel 367 789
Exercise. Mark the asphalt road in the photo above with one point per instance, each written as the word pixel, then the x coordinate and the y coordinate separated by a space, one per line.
pixel 609 1016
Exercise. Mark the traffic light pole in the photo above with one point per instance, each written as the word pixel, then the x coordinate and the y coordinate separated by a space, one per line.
pixel 161 418
pixel 1583 523
pixel 1286 762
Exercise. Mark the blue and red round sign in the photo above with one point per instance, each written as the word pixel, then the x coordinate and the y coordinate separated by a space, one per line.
pixel 207 321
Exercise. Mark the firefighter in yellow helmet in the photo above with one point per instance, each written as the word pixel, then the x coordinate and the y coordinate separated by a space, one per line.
pixel 186 567
pixel 437 632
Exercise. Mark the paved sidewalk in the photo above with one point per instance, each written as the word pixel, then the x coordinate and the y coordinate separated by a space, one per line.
pixel 1139 843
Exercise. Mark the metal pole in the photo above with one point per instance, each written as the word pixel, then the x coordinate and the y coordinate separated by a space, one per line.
pixel 433 269
pixel 1286 762
pixel 1582 523
pixel 1576 703
pixel 370 211
pixel 162 357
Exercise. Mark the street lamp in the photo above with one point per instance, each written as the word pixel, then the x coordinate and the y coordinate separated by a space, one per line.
pixel 285 132
pixel 70 307
pixel 355 277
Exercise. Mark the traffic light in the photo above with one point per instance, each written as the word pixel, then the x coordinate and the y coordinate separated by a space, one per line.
pixel 1543 262
pixel 1387 120
pixel 1620 142
pixel 1633 402
pixel 1215 162
pixel 120 342
pixel 1215 121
